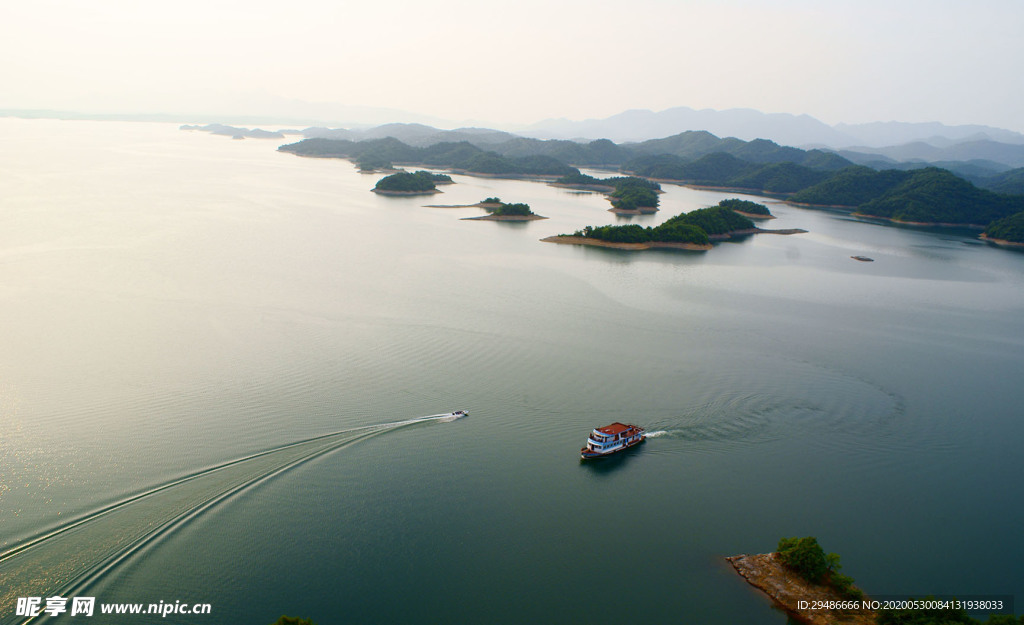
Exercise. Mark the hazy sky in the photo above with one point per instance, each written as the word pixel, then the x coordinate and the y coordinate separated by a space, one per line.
pixel 521 61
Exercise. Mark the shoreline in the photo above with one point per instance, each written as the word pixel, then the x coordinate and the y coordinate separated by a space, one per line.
pixel 405 193
pixel 504 218
pixel 754 215
pixel 648 245
pixel 1001 242
pixel 748 231
pixel 787 590
pixel 595 188
pixel 692 247
pixel 935 224
pixel 643 210
pixel 477 205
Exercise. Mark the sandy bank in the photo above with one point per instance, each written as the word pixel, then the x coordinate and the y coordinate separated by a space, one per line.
pixel 643 210
pixel 788 590
pixel 937 224
pixel 478 205
pixel 627 246
pixel 596 188
pixel 1001 242
pixel 405 193
pixel 504 218
pixel 754 215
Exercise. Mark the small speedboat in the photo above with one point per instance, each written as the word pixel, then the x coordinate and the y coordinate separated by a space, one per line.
pixel 611 439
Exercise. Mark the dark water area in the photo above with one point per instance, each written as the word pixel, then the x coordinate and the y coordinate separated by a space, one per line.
pixel 222 362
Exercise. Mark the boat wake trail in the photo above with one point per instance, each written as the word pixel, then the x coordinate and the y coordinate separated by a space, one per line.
pixel 79 552
pixel 657 433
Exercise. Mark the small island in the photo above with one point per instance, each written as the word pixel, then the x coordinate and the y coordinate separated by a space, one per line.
pixel 806 584
pixel 629 195
pixel 501 211
pixel 688 231
pixel 633 199
pixel 799 574
pixel 404 183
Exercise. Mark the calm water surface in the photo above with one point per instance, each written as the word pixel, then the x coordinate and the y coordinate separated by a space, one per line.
pixel 173 301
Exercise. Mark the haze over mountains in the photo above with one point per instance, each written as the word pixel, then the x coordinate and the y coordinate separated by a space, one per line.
pixel 986 150
pixel 748 124
pixel 975 150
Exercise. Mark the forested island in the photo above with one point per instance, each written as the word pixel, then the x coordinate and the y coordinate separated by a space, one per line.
pixel 405 183
pixel 629 195
pixel 691 231
pixel 502 211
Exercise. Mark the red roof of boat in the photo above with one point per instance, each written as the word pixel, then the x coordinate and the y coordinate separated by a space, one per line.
pixel 615 428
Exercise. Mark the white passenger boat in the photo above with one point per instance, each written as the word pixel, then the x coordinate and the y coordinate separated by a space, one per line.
pixel 612 438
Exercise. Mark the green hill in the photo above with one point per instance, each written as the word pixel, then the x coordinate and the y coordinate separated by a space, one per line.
pixel 851 187
pixel 1007 229
pixel 934 195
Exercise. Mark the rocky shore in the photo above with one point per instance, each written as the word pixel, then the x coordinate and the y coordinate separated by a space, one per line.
pixel 795 595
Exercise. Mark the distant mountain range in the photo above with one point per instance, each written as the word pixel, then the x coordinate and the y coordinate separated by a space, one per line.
pixel 749 124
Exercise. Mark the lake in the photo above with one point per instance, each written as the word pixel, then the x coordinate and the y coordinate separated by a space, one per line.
pixel 213 355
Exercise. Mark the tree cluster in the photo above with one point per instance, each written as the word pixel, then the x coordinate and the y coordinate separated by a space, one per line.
pixel 419 182
pixel 806 557
pixel 633 198
pixel 715 220
pixel 745 206
pixel 519 209
pixel 1007 229
pixel 693 227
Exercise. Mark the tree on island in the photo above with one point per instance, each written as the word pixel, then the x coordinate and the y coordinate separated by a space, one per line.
pixel 806 557
pixel 630 233
pixel 503 209
pixel 714 220
pixel 1007 229
pixel 634 198
pixel 491 200
pixel 745 206
pixel 694 227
